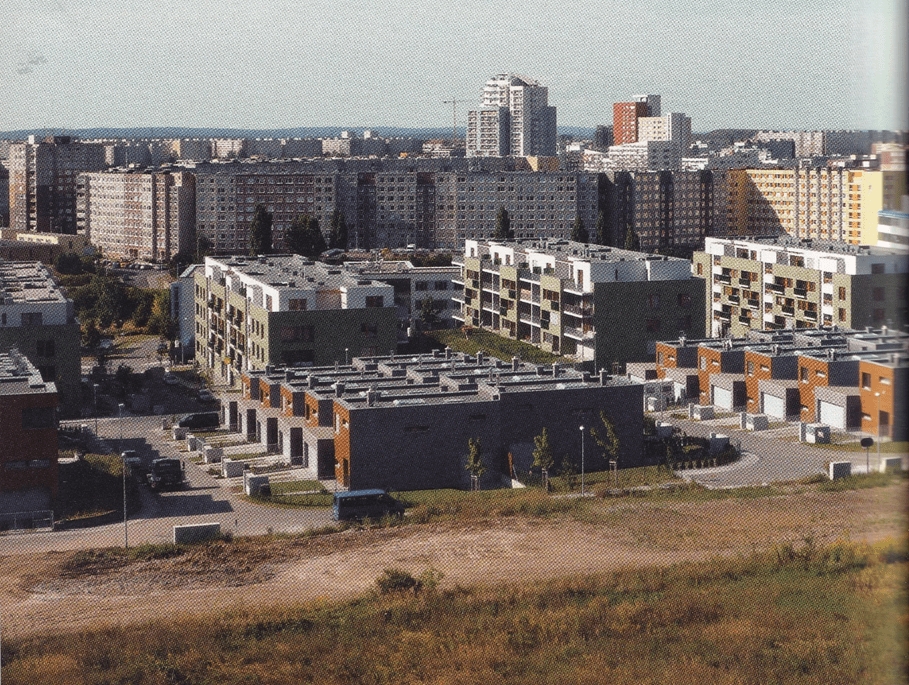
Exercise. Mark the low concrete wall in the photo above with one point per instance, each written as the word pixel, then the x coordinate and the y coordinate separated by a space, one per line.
pixel 252 484
pixel 839 469
pixel 891 464
pixel 195 532
pixel 231 468
pixel 212 454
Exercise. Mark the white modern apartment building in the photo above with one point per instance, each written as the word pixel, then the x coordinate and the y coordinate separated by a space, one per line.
pixel 674 127
pixel 645 155
pixel 531 122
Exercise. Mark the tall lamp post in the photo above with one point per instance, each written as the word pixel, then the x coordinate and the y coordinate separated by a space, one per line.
pixel 878 419
pixel 582 460
pixel 95 385
pixel 123 464
pixel 346 358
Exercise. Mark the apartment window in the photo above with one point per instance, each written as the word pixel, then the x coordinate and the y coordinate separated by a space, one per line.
pixel 877 294
pixel 375 301
pixel 877 315
pixel 297 305
pixel 820 374
pixel 659 357
pixel 370 330
pixel 842 292
pixel 803 374
pixel 703 363
pixel 750 368
pixel 684 300
pixel 878 268
pixel 653 326
pixel 268 302
pixel 45 348
pixel 653 301
pixel 421 285
pixel 883 380
pixel 842 314
pixel 32 318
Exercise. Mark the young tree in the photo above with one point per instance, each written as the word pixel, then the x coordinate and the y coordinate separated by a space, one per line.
pixel 602 237
pixel 606 437
pixel 91 336
pixel 503 225
pixel 542 451
pixel 260 231
pixel 632 241
pixel 429 312
pixel 337 235
pixel 296 237
pixel 475 464
pixel 318 240
pixel 568 469
pixel 203 248
pixel 161 322
pixel 579 231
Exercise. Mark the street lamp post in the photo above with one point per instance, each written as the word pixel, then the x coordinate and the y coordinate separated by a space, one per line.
pixel 96 409
pixel 878 419
pixel 123 464
pixel 582 460
pixel 346 359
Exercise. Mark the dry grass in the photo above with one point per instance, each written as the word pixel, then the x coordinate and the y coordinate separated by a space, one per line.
pixel 799 614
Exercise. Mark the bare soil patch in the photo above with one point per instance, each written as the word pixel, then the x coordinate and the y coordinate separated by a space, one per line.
pixel 69 591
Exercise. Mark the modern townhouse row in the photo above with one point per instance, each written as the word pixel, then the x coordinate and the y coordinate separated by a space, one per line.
pixel 845 378
pixel 405 422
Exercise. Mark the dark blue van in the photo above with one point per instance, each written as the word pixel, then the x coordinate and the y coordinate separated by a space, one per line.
pixel 360 504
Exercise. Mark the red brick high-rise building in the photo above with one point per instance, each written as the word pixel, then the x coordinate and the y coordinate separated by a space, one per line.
pixel 625 121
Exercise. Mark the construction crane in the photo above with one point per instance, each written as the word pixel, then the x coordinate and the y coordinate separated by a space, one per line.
pixel 454 118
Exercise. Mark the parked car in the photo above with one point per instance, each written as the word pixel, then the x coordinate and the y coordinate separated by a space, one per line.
pixel 360 504
pixel 133 464
pixel 207 419
pixel 206 396
pixel 166 473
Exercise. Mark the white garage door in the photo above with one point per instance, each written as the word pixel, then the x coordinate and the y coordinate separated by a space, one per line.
pixel 722 398
pixel 832 415
pixel 773 406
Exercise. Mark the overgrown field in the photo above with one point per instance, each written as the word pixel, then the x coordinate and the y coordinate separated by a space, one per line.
pixel 797 614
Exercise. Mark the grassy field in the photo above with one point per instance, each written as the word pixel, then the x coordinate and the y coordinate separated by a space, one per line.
pixel 495 345
pixel 795 615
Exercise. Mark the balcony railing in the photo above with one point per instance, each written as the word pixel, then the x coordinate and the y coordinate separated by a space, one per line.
pixel 788 310
pixel 800 292
pixel 577 310
pixel 776 287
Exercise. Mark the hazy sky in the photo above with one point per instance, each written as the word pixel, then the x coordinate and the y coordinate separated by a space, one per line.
pixel 283 63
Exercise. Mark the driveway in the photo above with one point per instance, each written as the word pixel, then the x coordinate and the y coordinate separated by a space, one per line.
pixel 767 456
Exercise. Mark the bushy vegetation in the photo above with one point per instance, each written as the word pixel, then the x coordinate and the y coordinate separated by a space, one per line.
pixel 477 340
pixel 799 615
pixel 91 486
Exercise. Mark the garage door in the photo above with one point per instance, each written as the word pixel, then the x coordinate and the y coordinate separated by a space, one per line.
pixel 831 414
pixel 773 406
pixel 722 398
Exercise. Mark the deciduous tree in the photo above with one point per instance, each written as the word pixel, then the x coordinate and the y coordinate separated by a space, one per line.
pixel 260 231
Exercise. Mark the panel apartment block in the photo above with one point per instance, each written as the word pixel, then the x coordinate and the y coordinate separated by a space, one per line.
pixel 774 283
pixel 592 303
pixel 43 182
pixel 139 215
pixel 625 117
pixel 807 202
pixel 516 119
pixel 28 424
pixel 284 309
pixel 38 320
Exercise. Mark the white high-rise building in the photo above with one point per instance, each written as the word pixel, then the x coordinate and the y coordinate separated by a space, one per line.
pixel 674 127
pixel 529 128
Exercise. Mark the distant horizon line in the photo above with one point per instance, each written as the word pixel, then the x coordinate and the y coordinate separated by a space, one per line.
pixel 332 129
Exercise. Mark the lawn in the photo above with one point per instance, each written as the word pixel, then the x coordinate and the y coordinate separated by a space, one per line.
pixel 798 614
pixel 495 345
pixel 296 486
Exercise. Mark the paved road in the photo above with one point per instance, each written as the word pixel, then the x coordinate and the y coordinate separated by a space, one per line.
pixel 203 500
pixel 768 456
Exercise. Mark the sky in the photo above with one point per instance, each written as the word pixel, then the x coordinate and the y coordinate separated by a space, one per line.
pixel 774 64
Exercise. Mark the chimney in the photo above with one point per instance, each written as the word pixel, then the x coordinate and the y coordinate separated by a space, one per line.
pixel 447 353
pixel 480 358
pixel 339 389
pixel 515 363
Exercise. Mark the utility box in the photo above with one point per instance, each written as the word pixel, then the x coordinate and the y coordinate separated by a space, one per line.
pixel 254 485
pixel 817 433
pixel 757 422
pixel 839 469
pixel 702 412
pixel 212 454
pixel 718 443
pixel 231 468
pixel 196 532
pixel 663 429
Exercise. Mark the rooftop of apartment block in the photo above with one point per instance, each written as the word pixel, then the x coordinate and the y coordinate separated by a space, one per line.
pixel 19 377
pixel 384 269
pixel 288 271
pixel 432 378
pixel 28 283
pixel 790 244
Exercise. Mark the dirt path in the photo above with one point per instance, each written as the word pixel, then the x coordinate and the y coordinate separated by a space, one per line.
pixel 37 595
